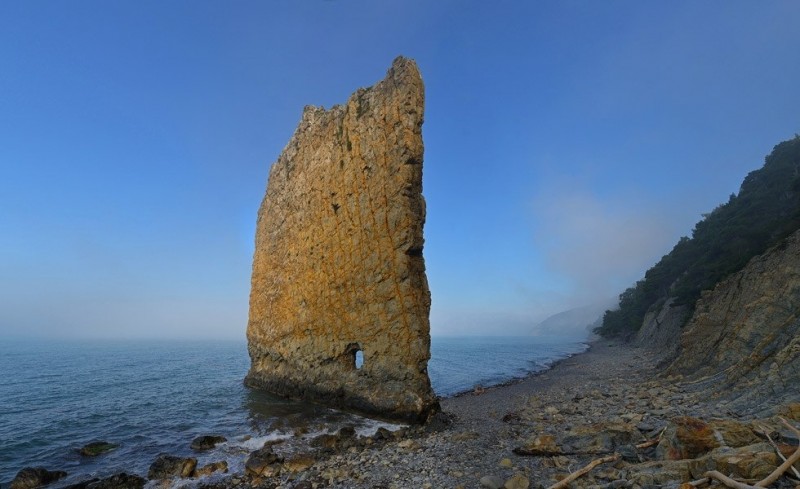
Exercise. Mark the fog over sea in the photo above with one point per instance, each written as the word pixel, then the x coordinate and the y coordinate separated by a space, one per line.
pixel 157 396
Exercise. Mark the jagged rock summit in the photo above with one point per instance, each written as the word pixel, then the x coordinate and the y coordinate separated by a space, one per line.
pixel 338 271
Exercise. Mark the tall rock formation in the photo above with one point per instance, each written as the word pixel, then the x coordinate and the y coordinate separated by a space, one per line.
pixel 338 270
pixel 743 341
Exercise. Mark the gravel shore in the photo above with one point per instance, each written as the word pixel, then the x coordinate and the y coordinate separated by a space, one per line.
pixel 533 433
pixel 608 403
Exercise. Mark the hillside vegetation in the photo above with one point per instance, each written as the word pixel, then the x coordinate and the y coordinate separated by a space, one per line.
pixel 766 210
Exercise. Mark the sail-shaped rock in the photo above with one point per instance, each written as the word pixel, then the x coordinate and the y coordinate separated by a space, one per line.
pixel 339 301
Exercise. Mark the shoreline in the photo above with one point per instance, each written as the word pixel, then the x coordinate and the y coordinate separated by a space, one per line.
pixel 516 380
pixel 533 431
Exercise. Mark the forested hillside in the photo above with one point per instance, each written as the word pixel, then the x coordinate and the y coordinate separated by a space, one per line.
pixel 766 210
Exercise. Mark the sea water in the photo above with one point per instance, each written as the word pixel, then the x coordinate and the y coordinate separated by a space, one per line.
pixel 152 397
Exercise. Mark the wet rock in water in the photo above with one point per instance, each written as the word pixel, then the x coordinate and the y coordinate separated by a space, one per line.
pixel 491 482
pixel 31 477
pixel 383 434
pixel 347 432
pixel 96 448
pixel 207 442
pixel 82 484
pixel 327 440
pixel 518 481
pixel 169 466
pixel 119 481
pixel 263 462
pixel 686 437
pixel 211 468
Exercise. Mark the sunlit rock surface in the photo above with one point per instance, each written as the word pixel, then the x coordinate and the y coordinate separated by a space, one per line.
pixel 338 271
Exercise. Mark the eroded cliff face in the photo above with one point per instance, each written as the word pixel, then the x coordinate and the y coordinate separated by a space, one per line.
pixel 743 342
pixel 338 266
pixel 661 329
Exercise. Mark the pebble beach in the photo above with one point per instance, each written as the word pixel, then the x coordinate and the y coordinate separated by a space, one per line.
pixel 606 403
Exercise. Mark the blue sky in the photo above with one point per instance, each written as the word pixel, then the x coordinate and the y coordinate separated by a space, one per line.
pixel 568 144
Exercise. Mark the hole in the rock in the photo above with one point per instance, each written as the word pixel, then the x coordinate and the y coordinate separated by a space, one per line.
pixel 359 359
pixel 354 356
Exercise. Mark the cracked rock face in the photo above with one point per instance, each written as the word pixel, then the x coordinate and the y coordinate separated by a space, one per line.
pixel 743 341
pixel 339 301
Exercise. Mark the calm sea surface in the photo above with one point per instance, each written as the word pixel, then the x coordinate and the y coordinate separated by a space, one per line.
pixel 152 397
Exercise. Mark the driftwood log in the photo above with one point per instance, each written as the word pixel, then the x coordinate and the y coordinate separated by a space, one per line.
pixel 571 477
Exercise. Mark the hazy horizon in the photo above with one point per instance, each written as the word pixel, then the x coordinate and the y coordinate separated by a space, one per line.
pixel 568 146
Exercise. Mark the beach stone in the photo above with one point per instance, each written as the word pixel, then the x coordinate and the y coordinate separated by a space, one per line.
pixel 96 448
pixel 790 410
pixel 168 466
pixel 263 462
pixel 506 462
pixel 518 481
pixel 628 453
pixel 491 482
pixel 659 473
pixel 734 433
pixel 408 444
pixel 751 462
pixel 686 437
pixel 211 468
pixel 338 271
pixel 31 477
pixel 539 445
pixel 119 481
pixel 207 442
pixel 646 426
pixel 602 437
pixel 465 436
pixel 299 463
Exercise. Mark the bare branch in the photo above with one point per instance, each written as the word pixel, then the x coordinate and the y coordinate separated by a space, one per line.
pixel 765 432
pixel 713 474
pixel 777 473
pixel 571 477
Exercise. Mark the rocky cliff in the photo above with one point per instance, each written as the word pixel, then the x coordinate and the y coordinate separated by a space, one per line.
pixel 338 271
pixel 661 329
pixel 742 343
